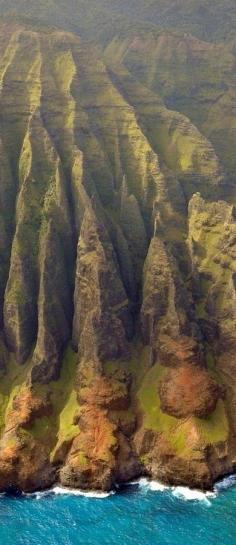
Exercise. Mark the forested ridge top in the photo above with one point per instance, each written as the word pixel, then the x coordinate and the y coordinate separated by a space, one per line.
pixel 208 19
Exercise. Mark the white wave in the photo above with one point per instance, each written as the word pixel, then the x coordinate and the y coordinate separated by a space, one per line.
pixel 181 492
pixel 225 483
pixel 189 494
pixel 155 486
pixel 77 492
pixel 62 490
pixel 38 495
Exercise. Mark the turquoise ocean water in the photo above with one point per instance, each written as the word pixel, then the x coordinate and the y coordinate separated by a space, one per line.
pixel 140 514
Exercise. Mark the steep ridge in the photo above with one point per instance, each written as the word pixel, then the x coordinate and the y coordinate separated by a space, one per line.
pixel 117 291
pixel 194 77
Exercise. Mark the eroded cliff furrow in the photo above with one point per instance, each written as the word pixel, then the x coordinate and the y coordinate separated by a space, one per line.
pixel 117 285
pixel 192 76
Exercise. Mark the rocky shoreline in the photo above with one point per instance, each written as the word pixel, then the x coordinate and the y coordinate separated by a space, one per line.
pixel 222 483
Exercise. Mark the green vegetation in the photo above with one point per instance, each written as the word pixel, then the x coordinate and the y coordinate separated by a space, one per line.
pixel 111 16
pixel 155 419
pixel 10 385
pixel 135 122
pixel 184 436
pixel 50 430
pixel 59 427
pixel 214 429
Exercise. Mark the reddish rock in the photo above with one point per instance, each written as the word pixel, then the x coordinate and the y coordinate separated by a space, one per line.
pixel 189 391
pixel 26 407
pixel 180 351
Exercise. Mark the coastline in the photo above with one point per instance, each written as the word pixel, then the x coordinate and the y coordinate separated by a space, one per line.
pixel 143 483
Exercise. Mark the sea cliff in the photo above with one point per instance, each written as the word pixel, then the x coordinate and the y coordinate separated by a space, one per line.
pixel 117 265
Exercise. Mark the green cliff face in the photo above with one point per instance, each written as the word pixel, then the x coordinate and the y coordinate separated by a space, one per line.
pixel 117 247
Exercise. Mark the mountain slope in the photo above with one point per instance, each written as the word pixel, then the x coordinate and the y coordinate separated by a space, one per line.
pixel 212 21
pixel 195 77
pixel 117 291
pixel 205 19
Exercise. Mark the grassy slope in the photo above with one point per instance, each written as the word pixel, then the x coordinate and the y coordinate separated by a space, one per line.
pixel 183 435
pixel 51 430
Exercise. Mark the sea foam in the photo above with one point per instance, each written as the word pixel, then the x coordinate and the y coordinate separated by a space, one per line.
pixel 227 482
pixel 155 486
pixel 77 492
pixel 61 490
pixel 181 492
pixel 189 494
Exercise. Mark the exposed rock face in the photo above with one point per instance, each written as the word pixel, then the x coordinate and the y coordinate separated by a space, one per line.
pixel 26 407
pixel 188 391
pixel 117 264
pixel 101 303
pixel 102 454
